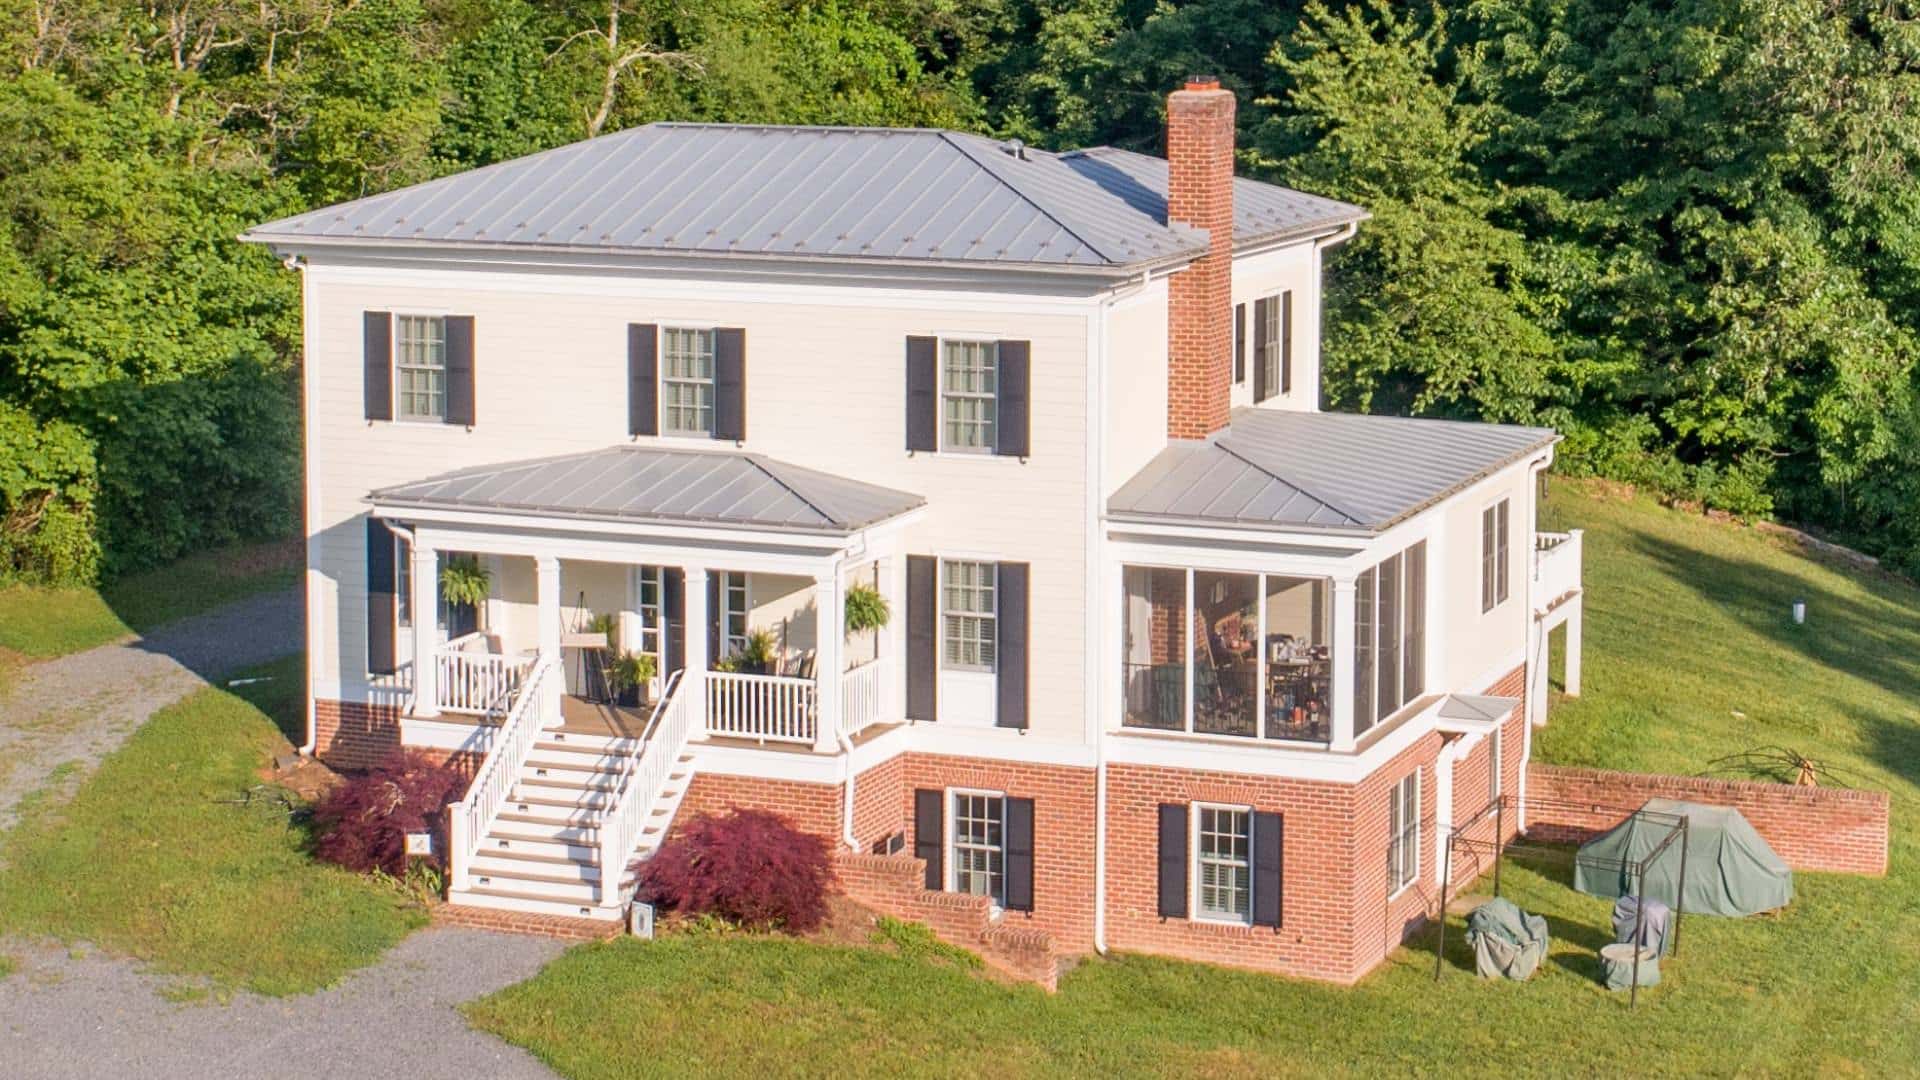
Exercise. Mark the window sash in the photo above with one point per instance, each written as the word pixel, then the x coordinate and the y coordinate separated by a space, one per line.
pixel 969 614
pixel 686 381
pixel 1494 558
pixel 648 604
pixel 970 395
pixel 1271 347
pixel 733 613
pixel 420 366
pixel 1223 863
pixel 1403 845
pixel 979 845
pixel 402 584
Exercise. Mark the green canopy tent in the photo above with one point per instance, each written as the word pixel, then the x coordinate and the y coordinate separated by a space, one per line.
pixel 1733 871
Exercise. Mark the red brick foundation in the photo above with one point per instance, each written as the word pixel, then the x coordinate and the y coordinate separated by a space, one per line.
pixel 1832 829
pixel 354 735
pixel 518 922
pixel 812 808
pixel 893 885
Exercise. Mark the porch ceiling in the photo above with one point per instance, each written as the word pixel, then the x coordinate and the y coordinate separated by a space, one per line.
pixel 650 485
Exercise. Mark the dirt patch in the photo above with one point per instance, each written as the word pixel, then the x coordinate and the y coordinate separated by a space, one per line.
pixel 306 778
pixel 848 923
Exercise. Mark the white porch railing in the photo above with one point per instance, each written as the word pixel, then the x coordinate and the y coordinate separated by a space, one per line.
pixel 862 692
pixel 775 708
pixel 468 682
pixel 1556 568
pixel 472 816
pixel 660 746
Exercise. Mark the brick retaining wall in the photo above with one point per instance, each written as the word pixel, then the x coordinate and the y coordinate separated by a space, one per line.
pixel 892 885
pixel 1833 829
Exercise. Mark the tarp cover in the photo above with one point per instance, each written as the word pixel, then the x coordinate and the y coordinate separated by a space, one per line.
pixel 1730 869
pixel 1507 942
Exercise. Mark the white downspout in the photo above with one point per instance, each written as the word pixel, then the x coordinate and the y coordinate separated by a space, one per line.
pixel 847 775
pixel 1536 641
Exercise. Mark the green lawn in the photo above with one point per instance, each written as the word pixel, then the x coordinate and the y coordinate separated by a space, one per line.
pixel 40 622
pixel 1687 624
pixel 151 858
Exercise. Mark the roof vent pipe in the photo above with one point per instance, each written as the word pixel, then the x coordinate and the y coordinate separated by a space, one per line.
pixel 1017 148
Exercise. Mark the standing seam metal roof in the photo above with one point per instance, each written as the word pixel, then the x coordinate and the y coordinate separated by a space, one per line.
pixel 809 192
pixel 1320 471
pixel 648 484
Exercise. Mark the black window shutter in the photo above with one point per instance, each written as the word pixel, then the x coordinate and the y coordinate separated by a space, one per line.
pixel 923 394
pixel 1286 342
pixel 730 384
pixel 1268 830
pixel 1173 860
pixel 922 657
pixel 1261 391
pixel 1019 865
pixel 1239 343
pixel 380 600
pixel 1013 419
pixel 673 598
pixel 643 379
pixel 713 618
pixel 460 370
pixel 377 343
pixel 1010 665
pixel 929 833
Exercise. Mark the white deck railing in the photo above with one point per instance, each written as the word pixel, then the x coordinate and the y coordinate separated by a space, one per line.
pixel 661 744
pixel 472 816
pixel 775 708
pixel 1556 568
pixel 862 693
pixel 466 681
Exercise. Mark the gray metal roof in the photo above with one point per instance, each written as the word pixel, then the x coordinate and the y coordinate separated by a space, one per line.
pixel 646 484
pixel 925 196
pixel 1477 708
pixel 1339 472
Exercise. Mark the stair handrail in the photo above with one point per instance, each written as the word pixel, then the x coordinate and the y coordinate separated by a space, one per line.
pixel 648 768
pixel 470 819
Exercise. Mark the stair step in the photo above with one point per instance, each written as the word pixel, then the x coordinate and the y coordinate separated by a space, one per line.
pixel 562 797
pixel 585 741
pixel 562 754
pixel 536 848
pixel 518 827
pixel 510 862
pixel 510 900
pixel 542 813
pixel 575 773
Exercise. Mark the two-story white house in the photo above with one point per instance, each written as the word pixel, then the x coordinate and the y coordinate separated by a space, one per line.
pixel 1176 662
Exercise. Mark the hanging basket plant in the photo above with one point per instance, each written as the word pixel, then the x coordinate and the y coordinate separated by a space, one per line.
pixel 866 609
pixel 465 583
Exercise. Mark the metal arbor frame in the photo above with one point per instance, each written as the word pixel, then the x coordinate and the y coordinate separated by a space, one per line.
pixel 1499 846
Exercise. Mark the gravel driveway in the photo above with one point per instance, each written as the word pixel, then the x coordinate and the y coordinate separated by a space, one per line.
pixel 79 708
pixel 100 1017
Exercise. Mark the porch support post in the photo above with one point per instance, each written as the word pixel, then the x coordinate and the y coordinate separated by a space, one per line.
pixel 1575 617
pixel 425 604
pixel 546 572
pixel 895 650
pixel 1343 611
pixel 830 635
pixel 694 682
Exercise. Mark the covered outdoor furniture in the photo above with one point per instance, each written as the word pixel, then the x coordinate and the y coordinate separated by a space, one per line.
pixel 1654 919
pixel 1616 964
pixel 1507 942
pixel 1730 869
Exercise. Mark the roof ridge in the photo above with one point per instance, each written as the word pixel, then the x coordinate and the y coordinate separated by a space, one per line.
pixel 760 461
pixel 1289 481
pixel 1045 211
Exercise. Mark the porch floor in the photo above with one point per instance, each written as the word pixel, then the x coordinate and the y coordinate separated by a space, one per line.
pixel 578 716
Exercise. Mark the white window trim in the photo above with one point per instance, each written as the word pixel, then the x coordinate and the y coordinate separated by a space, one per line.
pixel 952 797
pixel 660 376
pixel 940 628
pixel 393 365
pixel 940 343
pixel 1193 864
pixel 1393 800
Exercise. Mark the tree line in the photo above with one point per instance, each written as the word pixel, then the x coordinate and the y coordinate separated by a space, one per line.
pixel 1683 232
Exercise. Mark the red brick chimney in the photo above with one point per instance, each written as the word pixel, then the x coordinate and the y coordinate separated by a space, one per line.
pixel 1200 298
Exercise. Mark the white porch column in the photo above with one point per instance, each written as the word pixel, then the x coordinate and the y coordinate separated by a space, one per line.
pixel 1343 594
pixel 1575 618
pixel 1443 806
pixel 694 682
pixel 895 649
pixel 425 603
pixel 546 572
pixel 830 636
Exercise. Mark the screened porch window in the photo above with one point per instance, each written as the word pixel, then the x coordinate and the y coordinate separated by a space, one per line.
pixel 1389 636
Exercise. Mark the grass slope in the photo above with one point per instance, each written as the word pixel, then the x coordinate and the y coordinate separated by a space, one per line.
pixel 151 859
pixel 41 622
pixel 1687 624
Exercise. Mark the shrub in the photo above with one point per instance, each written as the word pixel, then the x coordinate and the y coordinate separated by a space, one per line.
pixel 750 867
pixel 363 823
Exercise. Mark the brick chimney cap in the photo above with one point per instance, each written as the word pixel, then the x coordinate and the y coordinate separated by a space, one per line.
pixel 1203 82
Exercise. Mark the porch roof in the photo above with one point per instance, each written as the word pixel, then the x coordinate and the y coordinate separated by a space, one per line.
pixel 661 485
pixel 1315 472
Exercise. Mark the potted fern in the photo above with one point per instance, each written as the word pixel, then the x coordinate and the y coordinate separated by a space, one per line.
pixel 628 677
pixel 465 583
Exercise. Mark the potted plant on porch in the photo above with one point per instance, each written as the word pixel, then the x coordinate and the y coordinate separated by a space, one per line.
pixel 465 583
pixel 628 677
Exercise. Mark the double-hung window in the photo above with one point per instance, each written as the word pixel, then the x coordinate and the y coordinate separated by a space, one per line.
pixel 420 366
pixel 1403 843
pixel 402 583
pixel 648 603
pixel 979 845
pixel 1493 556
pixel 1272 342
pixel 733 613
pixel 1223 863
pixel 686 382
pixel 967 615
pixel 969 395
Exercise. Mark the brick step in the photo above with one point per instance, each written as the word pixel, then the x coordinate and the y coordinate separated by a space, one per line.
pixel 511 900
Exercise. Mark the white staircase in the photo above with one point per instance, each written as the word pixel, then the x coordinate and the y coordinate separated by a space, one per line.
pixel 576 805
